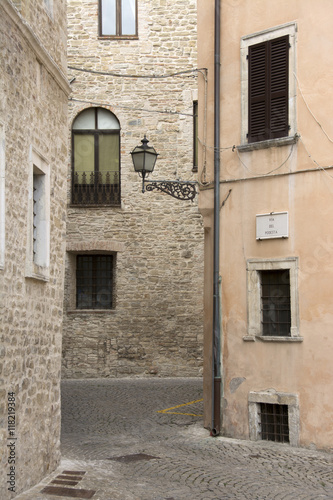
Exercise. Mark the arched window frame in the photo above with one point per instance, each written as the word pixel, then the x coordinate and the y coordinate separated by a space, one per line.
pixel 96 185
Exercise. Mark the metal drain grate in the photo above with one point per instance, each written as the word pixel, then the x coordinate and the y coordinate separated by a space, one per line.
pixel 64 482
pixel 74 472
pixel 71 477
pixel 126 459
pixel 67 492
pixel 68 478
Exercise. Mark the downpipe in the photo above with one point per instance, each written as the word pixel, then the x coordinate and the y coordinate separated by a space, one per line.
pixel 216 340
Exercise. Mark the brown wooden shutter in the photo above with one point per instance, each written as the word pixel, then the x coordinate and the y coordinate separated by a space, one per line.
pixel 268 89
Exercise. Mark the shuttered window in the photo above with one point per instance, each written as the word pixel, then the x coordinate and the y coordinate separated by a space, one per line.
pixel 268 89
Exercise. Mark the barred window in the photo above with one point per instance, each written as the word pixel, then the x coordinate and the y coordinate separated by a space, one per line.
pixel 94 281
pixel 274 422
pixel 275 302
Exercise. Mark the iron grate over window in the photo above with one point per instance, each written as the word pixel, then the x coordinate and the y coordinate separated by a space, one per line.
pixel 274 422
pixel 275 303
pixel 94 281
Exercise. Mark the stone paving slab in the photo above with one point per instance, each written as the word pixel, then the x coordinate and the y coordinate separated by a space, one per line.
pixel 107 419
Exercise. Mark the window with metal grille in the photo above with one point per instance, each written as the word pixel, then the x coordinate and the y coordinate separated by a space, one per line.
pixel 118 18
pixel 94 281
pixel 274 422
pixel 275 303
pixel 268 88
pixel 96 158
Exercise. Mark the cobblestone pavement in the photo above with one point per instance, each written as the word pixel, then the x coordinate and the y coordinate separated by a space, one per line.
pixel 107 419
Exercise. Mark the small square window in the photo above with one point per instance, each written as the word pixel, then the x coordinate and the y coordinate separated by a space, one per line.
pixel 94 281
pixel 274 416
pixel 274 422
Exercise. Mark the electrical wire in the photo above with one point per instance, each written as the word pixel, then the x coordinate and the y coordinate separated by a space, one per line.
pixel 271 171
pixel 165 112
pixel 124 75
pixel 308 107
pixel 324 169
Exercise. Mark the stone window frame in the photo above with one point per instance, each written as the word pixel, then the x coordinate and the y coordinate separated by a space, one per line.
pixel 274 397
pixel 38 254
pixel 2 194
pixel 253 269
pixel 253 39
pixel 118 35
pixel 73 249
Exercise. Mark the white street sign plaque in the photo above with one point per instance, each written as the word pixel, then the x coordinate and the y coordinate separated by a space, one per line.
pixel 273 225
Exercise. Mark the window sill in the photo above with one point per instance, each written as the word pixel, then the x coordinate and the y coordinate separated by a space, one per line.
pixel 251 338
pixel 40 273
pixel 272 143
pixel 96 205
pixel 118 37
pixel 90 311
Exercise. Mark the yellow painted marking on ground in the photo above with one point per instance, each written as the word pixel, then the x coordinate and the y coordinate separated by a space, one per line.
pixel 167 410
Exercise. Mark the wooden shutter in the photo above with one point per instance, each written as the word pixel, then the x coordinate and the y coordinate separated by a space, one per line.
pixel 268 89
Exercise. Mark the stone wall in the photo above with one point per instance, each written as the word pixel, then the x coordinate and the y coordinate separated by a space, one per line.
pixel 155 327
pixel 33 124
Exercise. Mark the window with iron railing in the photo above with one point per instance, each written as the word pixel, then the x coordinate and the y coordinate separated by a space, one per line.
pixel 96 158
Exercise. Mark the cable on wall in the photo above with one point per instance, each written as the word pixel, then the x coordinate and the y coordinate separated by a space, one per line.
pixel 125 75
pixel 308 107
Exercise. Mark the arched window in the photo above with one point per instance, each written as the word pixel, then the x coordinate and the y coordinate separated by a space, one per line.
pixel 96 158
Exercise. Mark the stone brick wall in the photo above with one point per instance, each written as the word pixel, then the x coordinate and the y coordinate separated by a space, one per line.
pixel 33 121
pixel 155 327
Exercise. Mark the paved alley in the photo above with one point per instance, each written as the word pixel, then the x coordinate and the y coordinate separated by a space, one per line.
pixel 142 439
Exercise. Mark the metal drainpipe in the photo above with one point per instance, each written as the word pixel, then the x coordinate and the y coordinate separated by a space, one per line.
pixel 216 340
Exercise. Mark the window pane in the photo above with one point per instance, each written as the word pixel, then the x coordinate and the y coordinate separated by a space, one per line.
pixel 108 17
pixel 109 158
pixel 275 299
pixel 83 157
pixel 128 24
pixel 103 282
pixel 94 281
pixel 195 134
pixel 106 120
pixel 85 120
pixel 84 276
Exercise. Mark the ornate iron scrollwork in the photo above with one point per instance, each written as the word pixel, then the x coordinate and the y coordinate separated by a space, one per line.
pixel 178 189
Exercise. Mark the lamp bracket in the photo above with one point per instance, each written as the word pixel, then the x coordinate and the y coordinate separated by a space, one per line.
pixel 178 189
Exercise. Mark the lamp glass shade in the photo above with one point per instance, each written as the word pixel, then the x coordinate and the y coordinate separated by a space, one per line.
pixel 144 158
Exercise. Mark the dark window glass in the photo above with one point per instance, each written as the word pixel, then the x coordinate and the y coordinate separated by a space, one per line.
pixel 268 90
pixel 94 281
pixel 275 303
pixel 195 136
pixel 96 158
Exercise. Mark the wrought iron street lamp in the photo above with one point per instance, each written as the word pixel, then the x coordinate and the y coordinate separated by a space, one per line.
pixel 144 159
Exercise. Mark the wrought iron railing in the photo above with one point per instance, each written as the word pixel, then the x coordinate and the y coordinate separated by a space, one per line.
pixel 96 188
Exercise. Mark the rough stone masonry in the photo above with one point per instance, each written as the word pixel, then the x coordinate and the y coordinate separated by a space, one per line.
pixel 156 324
